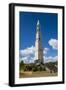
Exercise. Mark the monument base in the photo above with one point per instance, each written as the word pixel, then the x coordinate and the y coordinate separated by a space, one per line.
pixel 38 62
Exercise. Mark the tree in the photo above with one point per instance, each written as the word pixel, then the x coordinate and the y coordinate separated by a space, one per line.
pixel 22 65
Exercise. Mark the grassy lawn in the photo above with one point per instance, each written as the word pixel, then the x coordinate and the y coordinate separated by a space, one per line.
pixel 27 74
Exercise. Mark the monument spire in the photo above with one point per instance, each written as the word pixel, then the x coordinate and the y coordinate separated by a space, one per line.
pixel 38 45
pixel 38 22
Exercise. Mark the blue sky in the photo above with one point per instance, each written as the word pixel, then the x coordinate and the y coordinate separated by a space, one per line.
pixel 49 28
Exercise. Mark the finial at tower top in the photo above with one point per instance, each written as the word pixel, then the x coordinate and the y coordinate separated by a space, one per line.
pixel 38 22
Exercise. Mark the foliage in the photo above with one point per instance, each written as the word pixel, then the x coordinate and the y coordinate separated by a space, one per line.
pixel 38 67
pixel 22 65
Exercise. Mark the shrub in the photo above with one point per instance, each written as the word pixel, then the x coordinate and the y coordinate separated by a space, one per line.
pixel 34 69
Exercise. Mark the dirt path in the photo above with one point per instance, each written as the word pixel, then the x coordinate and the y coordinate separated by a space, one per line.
pixel 36 74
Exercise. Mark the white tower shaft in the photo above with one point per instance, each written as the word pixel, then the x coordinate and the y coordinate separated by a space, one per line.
pixel 38 44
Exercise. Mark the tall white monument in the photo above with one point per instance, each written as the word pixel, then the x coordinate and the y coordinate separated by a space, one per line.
pixel 38 45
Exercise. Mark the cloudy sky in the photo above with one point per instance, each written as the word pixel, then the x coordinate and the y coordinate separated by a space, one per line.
pixel 48 26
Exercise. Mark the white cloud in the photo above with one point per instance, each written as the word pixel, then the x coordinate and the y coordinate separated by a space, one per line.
pixel 53 43
pixel 45 50
pixel 28 54
pixel 28 59
pixel 27 51
pixel 50 59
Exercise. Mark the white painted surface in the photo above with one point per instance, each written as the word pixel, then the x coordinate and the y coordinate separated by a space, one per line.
pixel 38 43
